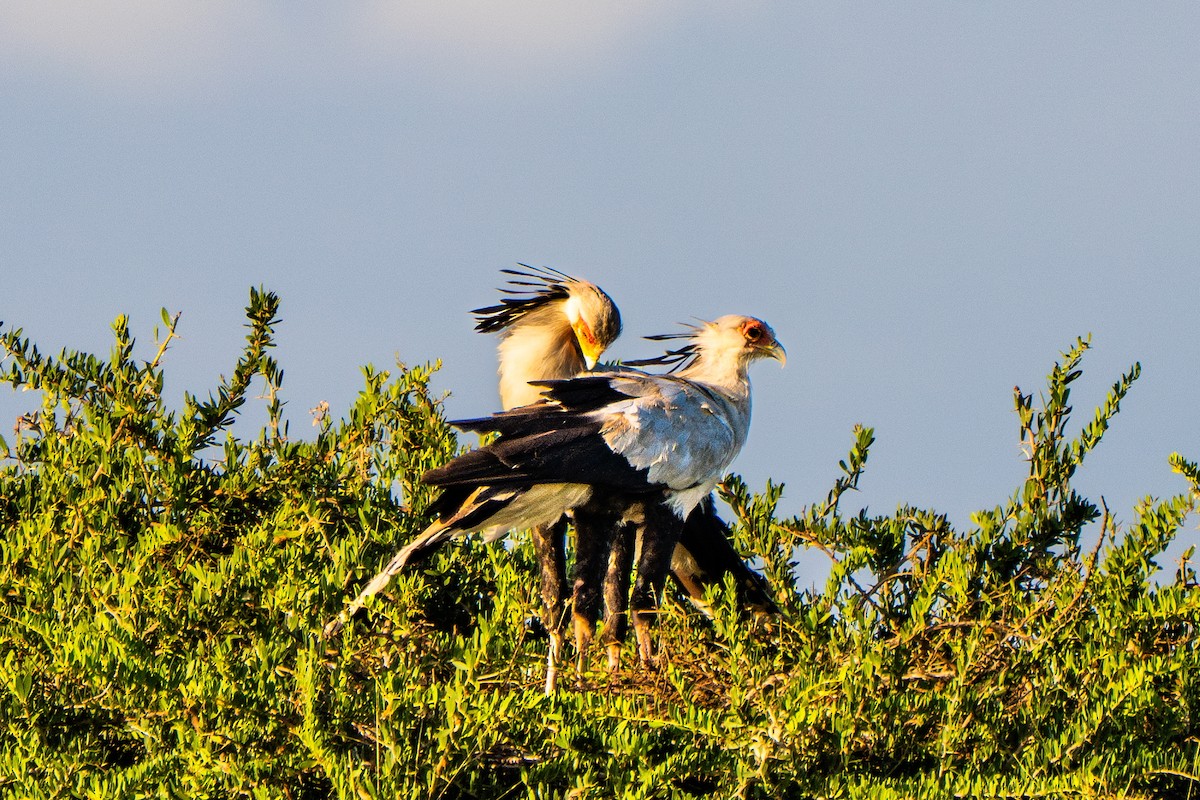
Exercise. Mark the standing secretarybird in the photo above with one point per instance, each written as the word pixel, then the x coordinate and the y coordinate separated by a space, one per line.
pixel 554 326
pixel 593 443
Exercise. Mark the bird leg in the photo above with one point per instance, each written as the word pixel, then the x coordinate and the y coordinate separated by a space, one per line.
pixel 616 591
pixel 659 535
pixel 705 555
pixel 549 542
pixel 595 525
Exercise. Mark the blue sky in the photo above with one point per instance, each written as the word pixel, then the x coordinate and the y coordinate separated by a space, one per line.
pixel 927 201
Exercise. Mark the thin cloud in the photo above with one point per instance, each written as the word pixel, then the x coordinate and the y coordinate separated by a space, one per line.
pixel 515 37
pixel 134 42
pixel 155 45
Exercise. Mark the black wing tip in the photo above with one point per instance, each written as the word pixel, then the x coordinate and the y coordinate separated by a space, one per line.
pixel 469 423
pixel 708 538
pixel 578 380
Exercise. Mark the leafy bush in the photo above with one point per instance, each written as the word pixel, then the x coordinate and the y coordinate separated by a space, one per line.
pixel 164 585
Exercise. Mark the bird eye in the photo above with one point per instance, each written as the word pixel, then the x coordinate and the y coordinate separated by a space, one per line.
pixel 753 333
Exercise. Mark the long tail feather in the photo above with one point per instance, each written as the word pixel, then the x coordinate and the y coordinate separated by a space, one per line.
pixel 419 549
pixel 460 514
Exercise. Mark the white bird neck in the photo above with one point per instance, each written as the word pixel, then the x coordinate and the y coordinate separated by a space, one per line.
pixel 727 371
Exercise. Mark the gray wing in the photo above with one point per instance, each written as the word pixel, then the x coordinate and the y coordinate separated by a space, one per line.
pixel 627 431
pixel 683 434
pixel 559 440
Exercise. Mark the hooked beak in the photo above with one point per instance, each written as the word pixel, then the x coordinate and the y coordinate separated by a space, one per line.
pixel 588 346
pixel 775 350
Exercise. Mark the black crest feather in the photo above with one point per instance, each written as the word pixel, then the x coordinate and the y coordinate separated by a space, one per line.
pixel 677 359
pixel 533 288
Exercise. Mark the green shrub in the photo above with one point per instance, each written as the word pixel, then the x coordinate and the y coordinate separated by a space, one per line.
pixel 163 586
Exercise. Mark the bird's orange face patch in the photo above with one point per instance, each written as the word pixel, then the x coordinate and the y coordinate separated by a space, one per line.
pixel 588 344
pixel 754 332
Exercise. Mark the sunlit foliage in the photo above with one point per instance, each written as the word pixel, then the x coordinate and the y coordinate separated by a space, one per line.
pixel 164 582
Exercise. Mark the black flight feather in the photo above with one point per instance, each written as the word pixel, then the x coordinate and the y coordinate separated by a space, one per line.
pixel 520 421
pixel 582 394
pixel 575 453
pixel 565 401
pixel 449 507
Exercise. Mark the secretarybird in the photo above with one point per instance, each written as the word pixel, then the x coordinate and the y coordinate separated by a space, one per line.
pixel 593 443
pixel 554 326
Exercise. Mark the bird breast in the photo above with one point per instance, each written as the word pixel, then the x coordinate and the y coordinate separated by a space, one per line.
pixel 532 352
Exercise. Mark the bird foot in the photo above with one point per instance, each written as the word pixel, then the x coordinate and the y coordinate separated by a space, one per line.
pixel 614 657
pixel 585 631
pixel 552 662
pixel 645 645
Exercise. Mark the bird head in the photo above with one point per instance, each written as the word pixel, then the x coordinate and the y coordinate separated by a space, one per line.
pixel 719 351
pixel 542 297
pixel 758 340
pixel 594 318
pixel 746 338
